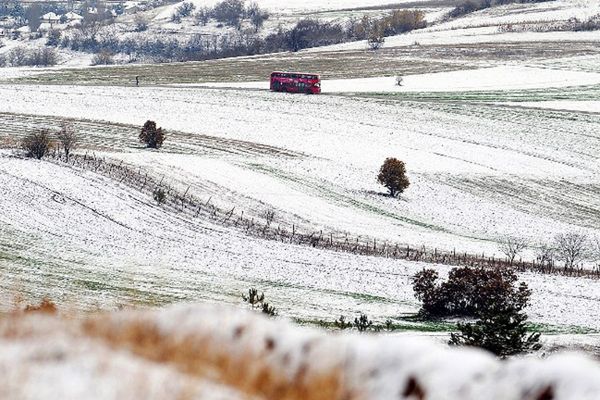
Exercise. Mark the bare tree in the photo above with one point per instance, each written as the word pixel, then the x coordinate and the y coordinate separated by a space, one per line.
pixel 37 144
pixel 511 247
pixel 596 250
pixel 93 21
pixel 570 247
pixel 68 139
pixel 269 216
pixel 257 16
pixel 376 39
pixel 545 255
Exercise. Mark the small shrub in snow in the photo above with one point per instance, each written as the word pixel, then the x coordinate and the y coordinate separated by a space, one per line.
pixel 392 175
pixel 253 298
pixel 341 323
pixel 269 216
pixel 268 310
pixel 389 325
pixel 152 136
pixel 159 195
pixel 258 300
pixel 375 40
pixel 140 23
pixel 362 323
pixel 103 58
pixel 37 145
pixel 17 57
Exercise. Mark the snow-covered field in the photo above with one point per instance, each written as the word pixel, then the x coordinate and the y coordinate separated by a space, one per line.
pixel 495 78
pixel 470 187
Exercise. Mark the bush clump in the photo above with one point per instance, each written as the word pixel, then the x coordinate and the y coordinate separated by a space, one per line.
pixel 103 58
pixel 40 57
pixel 490 295
pixel 468 291
pixel 37 145
pixel 152 136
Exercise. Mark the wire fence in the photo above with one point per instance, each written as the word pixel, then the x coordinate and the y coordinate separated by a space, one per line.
pixel 191 205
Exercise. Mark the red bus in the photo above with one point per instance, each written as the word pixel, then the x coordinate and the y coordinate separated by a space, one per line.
pixel 295 82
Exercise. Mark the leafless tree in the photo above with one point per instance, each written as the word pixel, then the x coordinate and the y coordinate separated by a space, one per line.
pixel 269 216
pixel 545 255
pixel 375 40
pixel 570 247
pixel 93 21
pixel 596 250
pixel 37 144
pixel 511 247
pixel 68 139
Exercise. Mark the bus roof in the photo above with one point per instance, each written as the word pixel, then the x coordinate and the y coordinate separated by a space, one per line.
pixel 295 73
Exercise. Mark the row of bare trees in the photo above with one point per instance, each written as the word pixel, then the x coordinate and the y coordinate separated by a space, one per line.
pixel 571 248
pixel 38 144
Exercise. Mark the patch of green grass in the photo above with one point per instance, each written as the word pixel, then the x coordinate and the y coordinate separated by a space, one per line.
pixel 367 298
pixel 548 329
pixel 396 326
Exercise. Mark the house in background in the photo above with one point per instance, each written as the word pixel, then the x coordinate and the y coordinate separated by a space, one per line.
pixel 72 18
pixel 51 19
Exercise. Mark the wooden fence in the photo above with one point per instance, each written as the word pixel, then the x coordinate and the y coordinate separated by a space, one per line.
pixel 194 207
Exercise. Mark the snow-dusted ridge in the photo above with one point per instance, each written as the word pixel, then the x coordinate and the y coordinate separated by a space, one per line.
pixel 228 353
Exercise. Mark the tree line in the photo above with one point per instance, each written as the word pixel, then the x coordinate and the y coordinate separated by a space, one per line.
pixel 304 34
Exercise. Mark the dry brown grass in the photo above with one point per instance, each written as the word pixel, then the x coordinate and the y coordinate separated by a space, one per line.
pixel 197 350
pixel 230 361
pixel 46 306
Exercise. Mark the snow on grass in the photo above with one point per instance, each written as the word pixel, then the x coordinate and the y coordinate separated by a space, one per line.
pixel 515 14
pixel 470 187
pixel 88 242
pixel 468 36
pixel 496 78
pixel 297 6
pixel 568 105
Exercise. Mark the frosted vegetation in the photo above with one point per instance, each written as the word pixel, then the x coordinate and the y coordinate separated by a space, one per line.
pixel 143 185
